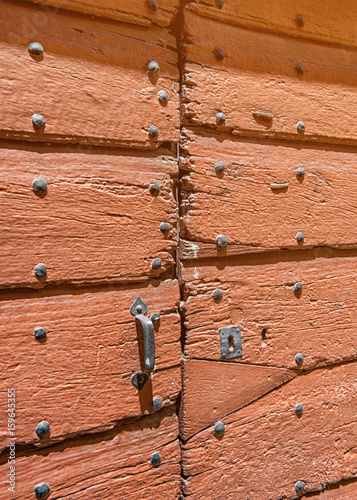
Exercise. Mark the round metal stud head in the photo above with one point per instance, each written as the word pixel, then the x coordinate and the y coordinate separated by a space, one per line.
pixel 220 118
pixel 299 487
pixel 156 460
pixel 300 69
pixel 217 295
pixel 300 172
pixel 222 240
pixel 156 404
pixel 298 287
pixel 43 429
pixel 300 237
pixel 35 49
pixel 219 3
pixel 153 5
pixel 219 168
pixel 42 491
pixel 153 67
pixel 40 334
pixel 301 127
pixel 38 120
pixel 299 358
pixel 299 409
pixel 40 270
pixel 155 318
pixel 163 96
pixel 39 186
pixel 153 131
pixel 219 428
pixel 164 227
pixel 300 20
pixel 156 264
pixel 219 54
pixel 154 189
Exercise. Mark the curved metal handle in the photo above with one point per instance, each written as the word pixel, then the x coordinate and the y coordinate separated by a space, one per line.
pixel 149 341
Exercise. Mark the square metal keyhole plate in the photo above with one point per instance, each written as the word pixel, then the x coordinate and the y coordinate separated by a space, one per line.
pixel 231 342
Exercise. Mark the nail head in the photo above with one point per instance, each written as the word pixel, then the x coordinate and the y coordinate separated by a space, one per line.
pixel 219 54
pixel 300 20
pixel 40 333
pixel 40 270
pixel 301 126
pixel 299 487
pixel 222 240
pixel 153 67
pixel 153 131
pixel 220 118
pixel 155 318
pixel 219 3
pixel 300 237
pixel 156 404
pixel 164 227
pixel 300 69
pixel 299 409
pixel 38 120
pixel 300 172
pixel 299 358
pixel 153 5
pixel 217 294
pixel 219 428
pixel 156 263
pixel 42 491
pixel 35 48
pixel 219 168
pixel 43 429
pixel 154 189
pixel 163 96
pixel 298 287
pixel 156 460
pixel 39 186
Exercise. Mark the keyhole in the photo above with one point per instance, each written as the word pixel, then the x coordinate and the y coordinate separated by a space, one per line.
pixel 231 343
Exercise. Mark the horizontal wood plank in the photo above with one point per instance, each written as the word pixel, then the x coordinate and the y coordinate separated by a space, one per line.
pixel 324 20
pixel 259 88
pixel 259 202
pixel 98 221
pixel 339 492
pixel 276 323
pixel 135 11
pixel 212 390
pixel 92 85
pixel 115 466
pixel 79 378
pixel 266 448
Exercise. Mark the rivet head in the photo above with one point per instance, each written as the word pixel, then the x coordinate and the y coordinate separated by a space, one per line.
pixel 38 120
pixel 153 5
pixel 299 487
pixel 219 168
pixel 217 295
pixel 164 227
pixel 155 318
pixel 40 270
pixel 40 334
pixel 156 404
pixel 219 3
pixel 299 358
pixel 299 409
pixel 300 237
pixel 42 491
pixel 153 131
pixel 153 67
pixel 43 429
pixel 156 264
pixel 300 20
pixel 35 48
pixel 298 287
pixel 219 54
pixel 300 69
pixel 222 240
pixel 39 186
pixel 301 127
pixel 219 428
pixel 300 172
pixel 220 118
pixel 162 96
pixel 154 189
pixel 139 309
pixel 156 460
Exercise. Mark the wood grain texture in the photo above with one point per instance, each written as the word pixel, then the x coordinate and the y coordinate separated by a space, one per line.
pixel 258 88
pixel 135 11
pixel 267 448
pixel 325 21
pixel 92 86
pixel 259 203
pixel 212 390
pixel 342 492
pixel 79 379
pixel 97 223
pixel 118 466
pixel 275 322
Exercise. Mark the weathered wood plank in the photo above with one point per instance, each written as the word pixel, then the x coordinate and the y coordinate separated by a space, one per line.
pixel 276 323
pixel 93 84
pixel 135 11
pixel 212 390
pixel 116 465
pixel 342 492
pixel 259 202
pixel 325 21
pixel 266 448
pixel 258 86
pixel 79 378
pixel 98 221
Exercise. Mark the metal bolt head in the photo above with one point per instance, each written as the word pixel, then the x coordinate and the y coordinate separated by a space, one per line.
pixel 153 5
pixel 156 460
pixel 40 334
pixel 300 69
pixel 153 67
pixel 219 168
pixel 42 491
pixel 219 54
pixel 219 3
pixel 301 127
pixel 220 118
pixel 298 287
pixel 43 429
pixel 299 487
pixel 300 172
pixel 217 295
pixel 222 240
pixel 299 358
pixel 164 227
pixel 153 131
pixel 156 404
pixel 155 318
pixel 299 409
pixel 40 270
pixel 163 96
pixel 38 120
pixel 300 237
pixel 35 49
pixel 219 428
pixel 300 20
pixel 156 264
pixel 154 189
pixel 39 186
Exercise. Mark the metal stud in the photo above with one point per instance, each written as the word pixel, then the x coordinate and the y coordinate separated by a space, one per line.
pixel 43 429
pixel 40 334
pixel 164 227
pixel 35 49
pixel 299 409
pixel 299 358
pixel 155 318
pixel 300 69
pixel 156 264
pixel 154 189
pixel 38 120
pixel 300 237
pixel 299 487
pixel 219 3
pixel 40 270
pixel 156 404
pixel 219 428
pixel 220 118
pixel 300 20
pixel 219 54
pixel 300 172
pixel 217 295
pixel 156 460
pixel 162 96
pixel 39 186
pixel 222 240
pixel 153 67
pixel 153 131
pixel 42 491
pixel 301 127
pixel 298 287
pixel 153 5
pixel 219 168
